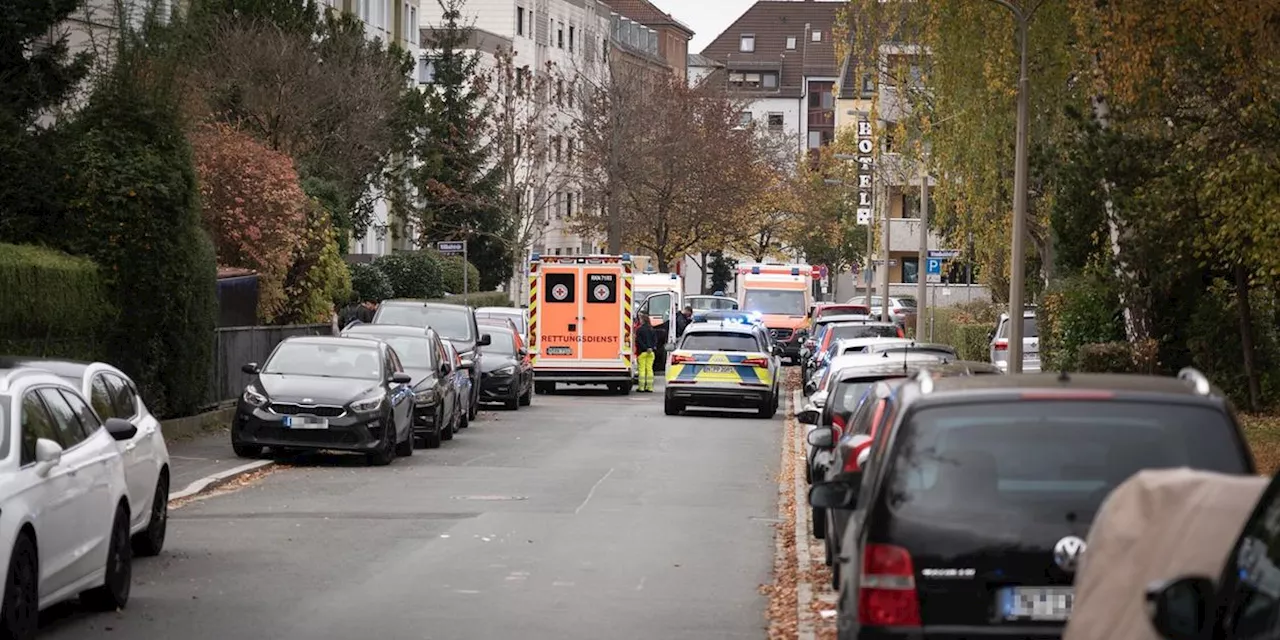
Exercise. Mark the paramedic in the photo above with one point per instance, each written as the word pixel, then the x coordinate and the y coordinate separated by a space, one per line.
pixel 646 344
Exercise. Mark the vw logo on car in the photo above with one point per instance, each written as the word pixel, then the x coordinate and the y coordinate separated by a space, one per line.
pixel 1067 553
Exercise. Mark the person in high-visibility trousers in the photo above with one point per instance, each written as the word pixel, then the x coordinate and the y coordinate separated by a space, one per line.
pixel 646 344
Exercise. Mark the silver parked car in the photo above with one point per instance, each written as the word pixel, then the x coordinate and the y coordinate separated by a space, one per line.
pixel 1030 342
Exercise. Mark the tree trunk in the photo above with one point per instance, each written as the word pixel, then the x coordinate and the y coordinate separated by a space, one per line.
pixel 1246 337
pixel 702 266
pixel 1136 328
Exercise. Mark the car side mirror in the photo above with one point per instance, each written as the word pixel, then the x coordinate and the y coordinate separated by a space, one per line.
pixel 778 351
pixel 121 429
pixel 810 387
pixel 485 340
pixel 821 438
pixel 819 399
pixel 48 455
pixel 809 415
pixel 445 369
pixel 1179 608
pixel 833 495
pixel 250 368
pixel 401 377
pixel 522 352
pixel 467 364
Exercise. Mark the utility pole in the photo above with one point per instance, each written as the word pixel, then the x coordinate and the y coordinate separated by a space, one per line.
pixel 922 261
pixel 884 279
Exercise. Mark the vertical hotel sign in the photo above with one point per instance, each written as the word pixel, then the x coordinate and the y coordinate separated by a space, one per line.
pixel 865 146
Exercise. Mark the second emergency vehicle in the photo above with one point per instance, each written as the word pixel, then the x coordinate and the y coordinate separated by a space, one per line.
pixel 782 294
pixel 580 321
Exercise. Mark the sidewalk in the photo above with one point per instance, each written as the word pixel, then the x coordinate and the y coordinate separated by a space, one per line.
pixel 196 462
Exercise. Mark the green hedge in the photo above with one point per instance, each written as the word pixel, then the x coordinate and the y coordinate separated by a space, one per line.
pixel 965 329
pixel 412 274
pixel 369 283
pixel 1074 312
pixel 1119 357
pixel 451 274
pixel 485 299
pixel 50 298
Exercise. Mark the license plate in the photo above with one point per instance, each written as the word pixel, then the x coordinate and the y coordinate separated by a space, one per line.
pixel 717 368
pixel 1036 603
pixel 559 351
pixel 305 422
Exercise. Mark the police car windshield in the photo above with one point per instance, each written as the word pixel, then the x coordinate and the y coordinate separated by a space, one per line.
pixel 717 341
pixel 985 462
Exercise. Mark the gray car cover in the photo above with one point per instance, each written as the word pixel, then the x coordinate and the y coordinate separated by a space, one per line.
pixel 1157 525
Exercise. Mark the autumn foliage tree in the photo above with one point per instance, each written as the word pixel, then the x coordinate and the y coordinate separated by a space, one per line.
pixel 253 207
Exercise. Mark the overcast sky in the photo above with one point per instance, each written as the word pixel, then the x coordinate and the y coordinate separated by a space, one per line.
pixel 707 18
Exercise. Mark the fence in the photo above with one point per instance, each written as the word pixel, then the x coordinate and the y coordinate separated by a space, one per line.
pixel 235 346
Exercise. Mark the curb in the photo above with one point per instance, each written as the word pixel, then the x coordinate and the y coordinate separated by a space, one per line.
pixel 208 483
pixel 804 589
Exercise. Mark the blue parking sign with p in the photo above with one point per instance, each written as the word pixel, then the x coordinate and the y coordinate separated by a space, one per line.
pixel 933 265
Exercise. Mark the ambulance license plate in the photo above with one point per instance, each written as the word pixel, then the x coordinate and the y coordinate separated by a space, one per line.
pixel 718 368
pixel 559 351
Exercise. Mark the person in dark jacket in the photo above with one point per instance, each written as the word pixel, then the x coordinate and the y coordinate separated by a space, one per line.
pixel 683 320
pixel 361 313
pixel 646 344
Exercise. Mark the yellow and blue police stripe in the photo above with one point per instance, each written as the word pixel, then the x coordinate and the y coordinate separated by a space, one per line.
pixel 737 372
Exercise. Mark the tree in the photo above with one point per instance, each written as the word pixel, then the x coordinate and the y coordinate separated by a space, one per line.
pixel 457 183
pixel 317 279
pixel 254 208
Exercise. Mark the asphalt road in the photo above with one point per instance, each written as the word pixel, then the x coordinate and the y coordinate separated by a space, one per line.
pixel 583 516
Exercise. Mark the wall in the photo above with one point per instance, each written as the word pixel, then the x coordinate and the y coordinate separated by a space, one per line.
pixel 793 123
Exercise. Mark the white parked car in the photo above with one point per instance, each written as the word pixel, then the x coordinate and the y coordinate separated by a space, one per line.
pixel 64 507
pixel 146 458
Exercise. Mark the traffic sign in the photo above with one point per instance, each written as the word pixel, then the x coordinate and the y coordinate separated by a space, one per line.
pixel 933 265
pixel 451 247
pixel 819 271
pixel 945 254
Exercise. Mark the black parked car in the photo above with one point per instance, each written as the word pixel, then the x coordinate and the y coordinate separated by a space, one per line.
pixel 322 392
pixel 436 412
pixel 978 494
pixel 507 375
pixel 454 322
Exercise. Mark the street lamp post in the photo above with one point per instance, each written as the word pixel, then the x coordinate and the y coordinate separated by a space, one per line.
pixel 1017 262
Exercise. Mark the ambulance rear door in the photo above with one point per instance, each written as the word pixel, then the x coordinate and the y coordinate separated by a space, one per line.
pixel 560 324
pixel 603 313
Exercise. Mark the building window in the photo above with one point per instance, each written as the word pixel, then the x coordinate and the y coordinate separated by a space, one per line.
pixel 568 205
pixel 910 270
pixel 744 118
pixel 558 147
pixel 868 84
pixel 559 93
pixel 426 71
pixel 747 44
pixel 573 32
pixel 775 123
pixel 522 80
pixel 817 36
pixel 568 149
pixel 769 80
pixel 815 139
pixel 791 43
pixel 560 34
pixel 569 96
pixel 753 79
pixel 519 21
pixel 519 144
pixel 604 49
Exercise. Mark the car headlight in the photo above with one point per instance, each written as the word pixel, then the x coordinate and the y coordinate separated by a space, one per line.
pixel 505 371
pixel 254 397
pixel 368 404
pixel 426 396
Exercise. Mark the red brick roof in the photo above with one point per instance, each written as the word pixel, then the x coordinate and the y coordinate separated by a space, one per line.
pixel 772 22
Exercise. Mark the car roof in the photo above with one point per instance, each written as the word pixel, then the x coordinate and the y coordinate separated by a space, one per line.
pixel 505 323
pixel 871 359
pixel 842 317
pixel 410 302
pixel 936 367
pixel 358 330
pixel 56 366
pixel 861 323
pixel 16 375
pixel 1119 384
pixel 347 340
pixel 870 340
pixel 505 311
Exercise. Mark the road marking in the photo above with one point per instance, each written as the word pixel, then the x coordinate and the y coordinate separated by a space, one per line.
pixel 209 482
pixel 592 492
pixel 640 587
pixel 479 457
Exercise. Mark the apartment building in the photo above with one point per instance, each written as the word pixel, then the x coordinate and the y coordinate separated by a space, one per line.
pixel 672 36
pixel 780 55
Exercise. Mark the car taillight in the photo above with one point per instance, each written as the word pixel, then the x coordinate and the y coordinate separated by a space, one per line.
pixel 897 310
pixel 1002 345
pixel 851 461
pixel 887 588
pixel 901 333
pixel 756 362
pixel 681 359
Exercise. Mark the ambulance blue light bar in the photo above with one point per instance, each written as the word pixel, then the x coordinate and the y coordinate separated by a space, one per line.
pixel 726 316
pixel 536 257
pixel 626 257
pixel 755 270
pixel 795 271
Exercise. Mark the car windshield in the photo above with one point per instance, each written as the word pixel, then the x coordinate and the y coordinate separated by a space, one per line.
pixel 1029 329
pixel 847 332
pixel 454 324
pixel 1046 461
pixel 712 304
pixel 409 315
pixel 327 360
pixel 414 352
pixel 717 341
pixel 503 340
pixel 842 310
pixel 782 302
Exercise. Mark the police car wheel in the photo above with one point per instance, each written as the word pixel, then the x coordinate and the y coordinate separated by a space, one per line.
pixel 768 408
pixel 672 408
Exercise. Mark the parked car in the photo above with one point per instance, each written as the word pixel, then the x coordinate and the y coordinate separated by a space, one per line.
pixel 112 394
pixel 508 373
pixel 973 508
pixel 1030 342
pixel 64 501
pixel 724 364
pixel 324 392
pixel 454 322
pixel 436 413
pixel 461 384
pixel 835 328
pixel 845 347
pixel 519 316
pixel 901 308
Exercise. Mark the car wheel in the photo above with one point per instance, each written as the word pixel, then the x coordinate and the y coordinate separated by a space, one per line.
pixel 247 450
pixel 405 448
pixel 526 398
pixel 672 407
pixel 431 440
pixel 150 541
pixel 387 453
pixel 512 404
pixel 818 523
pixel 828 553
pixel 473 408
pixel 769 408
pixel 118 578
pixel 464 420
pixel 20 614
pixel 452 428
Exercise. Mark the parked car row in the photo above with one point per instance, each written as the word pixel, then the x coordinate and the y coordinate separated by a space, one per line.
pixel 84 486
pixel 960 503
pixel 415 377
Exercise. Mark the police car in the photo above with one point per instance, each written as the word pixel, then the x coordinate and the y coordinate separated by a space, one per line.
pixel 731 362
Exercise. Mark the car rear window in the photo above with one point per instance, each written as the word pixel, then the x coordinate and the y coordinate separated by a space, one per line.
pixel 1029 329
pixel 716 341
pixel 848 393
pixel 1047 460
pixel 865 331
